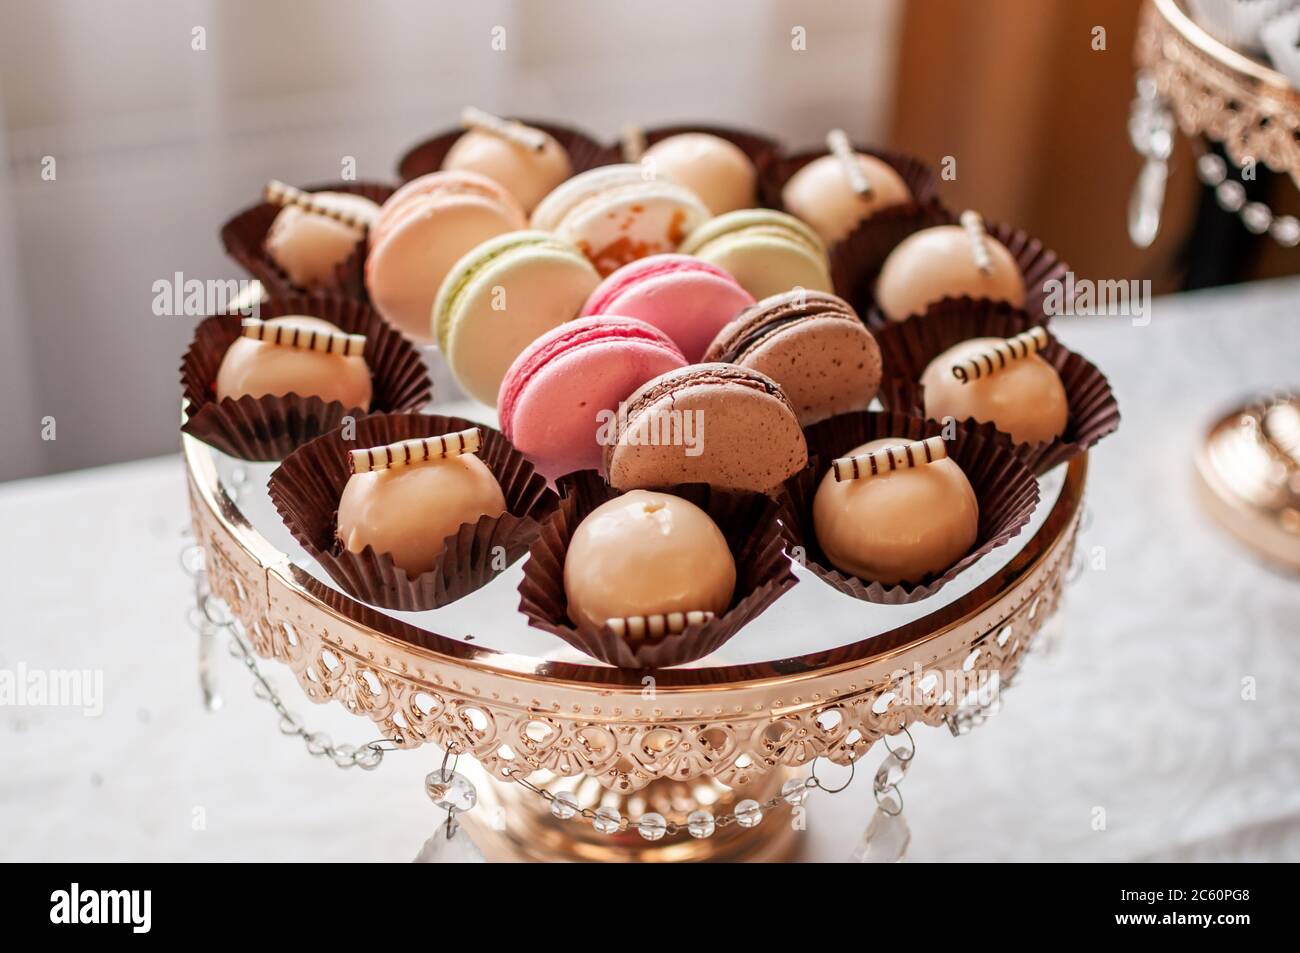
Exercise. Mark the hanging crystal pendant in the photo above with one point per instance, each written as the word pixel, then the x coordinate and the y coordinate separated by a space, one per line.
pixel 456 849
pixel 885 840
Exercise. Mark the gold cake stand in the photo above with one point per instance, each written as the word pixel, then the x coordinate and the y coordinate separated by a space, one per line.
pixel 706 736
pixel 1249 461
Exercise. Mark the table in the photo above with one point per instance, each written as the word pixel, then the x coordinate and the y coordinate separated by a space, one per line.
pixel 1162 727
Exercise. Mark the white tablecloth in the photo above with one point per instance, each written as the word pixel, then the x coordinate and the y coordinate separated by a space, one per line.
pixel 1138 720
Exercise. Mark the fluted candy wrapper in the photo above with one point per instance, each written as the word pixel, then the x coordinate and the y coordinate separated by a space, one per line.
pixel 755 538
pixel 907 347
pixel 1006 491
pixel 307 486
pixel 244 238
pixel 268 428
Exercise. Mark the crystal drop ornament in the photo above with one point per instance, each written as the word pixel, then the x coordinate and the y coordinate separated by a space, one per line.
pixel 457 849
pixel 891 771
pixel 885 840
pixel 450 791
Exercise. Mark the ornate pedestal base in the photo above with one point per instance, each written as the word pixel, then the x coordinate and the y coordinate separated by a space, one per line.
pixel 512 823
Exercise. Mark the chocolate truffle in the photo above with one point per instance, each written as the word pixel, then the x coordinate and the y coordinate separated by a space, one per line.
pixel 897 526
pixel 821 194
pixel 943 262
pixel 1022 396
pixel 308 247
pixel 409 511
pixel 527 173
pixel 264 369
pixel 646 553
pixel 713 168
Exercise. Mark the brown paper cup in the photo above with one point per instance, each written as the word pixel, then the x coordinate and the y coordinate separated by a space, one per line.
pixel 268 428
pixel 244 238
pixel 747 520
pixel 584 151
pixel 908 347
pixel 307 486
pixel 1007 493
pixel 1038 266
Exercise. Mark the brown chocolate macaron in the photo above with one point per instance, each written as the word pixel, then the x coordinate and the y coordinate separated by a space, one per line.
pixel 721 424
pixel 812 344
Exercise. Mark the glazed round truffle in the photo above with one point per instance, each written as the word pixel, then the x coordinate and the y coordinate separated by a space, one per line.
pixel 821 195
pixel 713 168
pixel 528 174
pixel 308 247
pixel 645 553
pixel 1024 399
pixel 900 526
pixel 409 511
pixel 262 369
pixel 937 263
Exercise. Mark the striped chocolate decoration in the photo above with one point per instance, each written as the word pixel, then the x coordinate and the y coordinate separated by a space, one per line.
pixel 1000 355
pixel 304 338
pixel 516 132
pixel 278 193
pixel 973 222
pixel 837 141
pixel 887 459
pixel 417 450
pixel 640 626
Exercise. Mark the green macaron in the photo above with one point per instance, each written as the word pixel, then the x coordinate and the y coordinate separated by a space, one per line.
pixel 767 251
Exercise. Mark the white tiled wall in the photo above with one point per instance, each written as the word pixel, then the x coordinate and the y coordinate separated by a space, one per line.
pixel 156 144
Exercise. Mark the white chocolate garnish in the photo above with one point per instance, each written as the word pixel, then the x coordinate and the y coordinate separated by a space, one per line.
pixel 304 338
pixel 1000 355
pixel 654 626
pixel 281 194
pixel 417 450
pixel 509 129
pixel 973 222
pixel 837 141
pixel 887 459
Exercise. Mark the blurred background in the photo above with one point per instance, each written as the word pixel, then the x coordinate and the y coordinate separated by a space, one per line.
pixel 156 142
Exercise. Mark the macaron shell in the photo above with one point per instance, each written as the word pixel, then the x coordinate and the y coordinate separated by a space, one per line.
pixel 553 397
pixel 401 202
pixel 405 269
pixel 825 365
pixel 564 197
pixel 623 224
pixel 710 423
pixel 687 299
pixel 539 287
pixel 765 262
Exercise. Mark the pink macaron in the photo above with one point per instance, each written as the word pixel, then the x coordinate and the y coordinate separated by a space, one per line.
pixel 688 299
pixel 562 393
